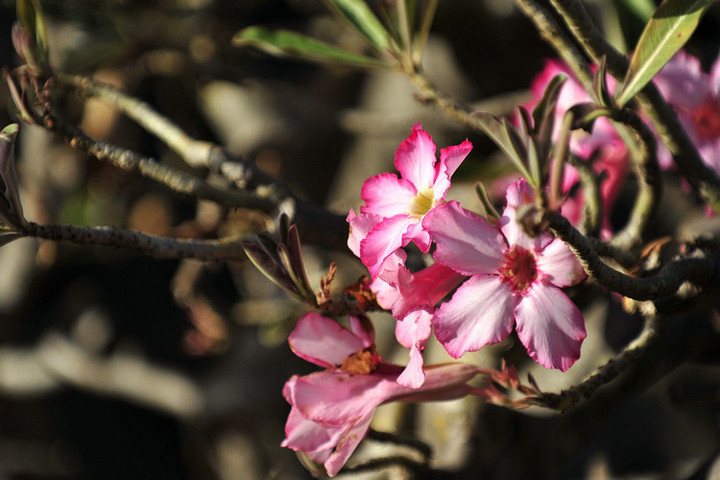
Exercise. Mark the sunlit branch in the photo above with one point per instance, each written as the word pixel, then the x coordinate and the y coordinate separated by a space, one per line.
pixel 158 247
pixel 698 267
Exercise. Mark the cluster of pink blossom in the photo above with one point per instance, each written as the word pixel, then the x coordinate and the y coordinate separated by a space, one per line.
pixel 695 96
pixel 501 277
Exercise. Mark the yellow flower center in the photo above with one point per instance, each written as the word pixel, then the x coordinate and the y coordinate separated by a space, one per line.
pixel 422 204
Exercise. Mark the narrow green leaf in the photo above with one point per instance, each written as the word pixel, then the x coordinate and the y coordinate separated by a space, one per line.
pixel 496 130
pixel 291 44
pixel 363 20
pixel 643 9
pixel 31 19
pixel 667 31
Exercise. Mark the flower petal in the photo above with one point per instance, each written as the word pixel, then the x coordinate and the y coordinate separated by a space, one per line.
pixel 413 375
pixel 387 196
pixel 334 397
pixel 480 313
pixel 415 158
pixel 322 341
pixel 360 226
pixel 550 326
pixel 362 328
pixel 450 160
pixel 518 195
pixel 305 435
pixel 385 238
pixel 348 444
pixel 465 242
pixel 415 328
pixel 559 265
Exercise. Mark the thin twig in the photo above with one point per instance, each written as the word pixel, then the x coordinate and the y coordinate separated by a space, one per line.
pixel 553 34
pixel 649 181
pixel 567 399
pixel 158 247
pixel 176 180
pixel 196 153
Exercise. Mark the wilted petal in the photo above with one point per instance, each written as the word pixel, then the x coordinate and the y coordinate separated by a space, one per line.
pixel 362 328
pixel 387 196
pixel 305 435
pixel 415 158
pixel 322 341
pixel 335 397
pixel 559 265
pixel 479 313
pixel 465 242
pixel 347 445
pixel 550 326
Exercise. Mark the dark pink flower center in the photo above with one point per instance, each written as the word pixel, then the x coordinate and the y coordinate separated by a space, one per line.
pixel 519 268
pixel 706 119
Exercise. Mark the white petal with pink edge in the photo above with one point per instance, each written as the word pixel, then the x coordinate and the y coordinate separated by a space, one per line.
pixel 559 265
pixel 465 242
pixel 479 313
pixel 550 326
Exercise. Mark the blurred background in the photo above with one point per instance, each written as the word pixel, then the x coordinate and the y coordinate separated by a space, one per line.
pixel 118 366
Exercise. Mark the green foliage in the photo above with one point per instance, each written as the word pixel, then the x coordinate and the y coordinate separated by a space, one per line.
pixel 286 43
pixel 31 20
pixel 667 31
pixel 362 19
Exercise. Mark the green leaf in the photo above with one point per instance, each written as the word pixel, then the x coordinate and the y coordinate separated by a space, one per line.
pixel 360 17
pixel 499 133
pixel 286 43
pixel 31 20
pixel 667 31
pixel 641 8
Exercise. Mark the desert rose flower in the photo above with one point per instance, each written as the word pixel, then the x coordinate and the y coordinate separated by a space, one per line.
pixel 394 207
pixel 332 409
pixel 515 280
pixel 411 297
pixel 695 95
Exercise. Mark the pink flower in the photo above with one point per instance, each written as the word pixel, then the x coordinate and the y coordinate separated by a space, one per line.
pixel 394 207
pixel 611 155
pixel 412 298
pixel 515 280
pixel 332 409
pixel 695 95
